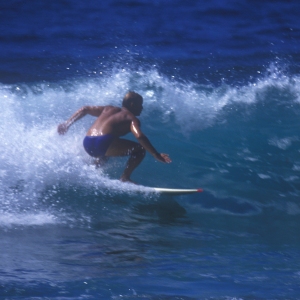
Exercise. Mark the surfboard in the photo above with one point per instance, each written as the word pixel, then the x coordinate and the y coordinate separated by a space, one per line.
pixel 175 191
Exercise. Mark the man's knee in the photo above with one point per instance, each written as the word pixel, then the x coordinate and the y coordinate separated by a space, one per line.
pixel 143 151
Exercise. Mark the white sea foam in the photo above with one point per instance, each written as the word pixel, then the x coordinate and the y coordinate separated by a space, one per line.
pixel 37 218
pixel 283 143
pixel 34 158
pixel 264 176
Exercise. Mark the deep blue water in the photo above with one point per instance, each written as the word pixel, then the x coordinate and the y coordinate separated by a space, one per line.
pixel 221 88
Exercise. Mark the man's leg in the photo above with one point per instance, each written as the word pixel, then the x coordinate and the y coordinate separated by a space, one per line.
pixel 100 161
pixel 123 147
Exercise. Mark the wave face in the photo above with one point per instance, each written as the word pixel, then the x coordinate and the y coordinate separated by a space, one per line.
pixel 239 141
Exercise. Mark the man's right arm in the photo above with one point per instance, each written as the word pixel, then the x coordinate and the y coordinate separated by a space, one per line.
pixel 91 110
pixel 144 141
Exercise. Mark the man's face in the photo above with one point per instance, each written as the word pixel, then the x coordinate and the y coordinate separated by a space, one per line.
pixel 137 107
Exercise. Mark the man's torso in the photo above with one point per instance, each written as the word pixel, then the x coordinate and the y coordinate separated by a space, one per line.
pixel 113 120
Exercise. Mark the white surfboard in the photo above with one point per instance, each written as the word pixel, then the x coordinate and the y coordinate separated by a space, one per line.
pixel 175 191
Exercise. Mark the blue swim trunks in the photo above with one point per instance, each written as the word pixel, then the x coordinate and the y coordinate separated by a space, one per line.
pixel 97 146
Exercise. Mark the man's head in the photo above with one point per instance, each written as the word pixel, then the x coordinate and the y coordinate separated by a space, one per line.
pixel 133 102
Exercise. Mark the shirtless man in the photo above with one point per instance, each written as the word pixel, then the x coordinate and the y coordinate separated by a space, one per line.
pixel 103 140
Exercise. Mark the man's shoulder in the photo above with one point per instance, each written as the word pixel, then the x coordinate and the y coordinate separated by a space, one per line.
pixel 111 108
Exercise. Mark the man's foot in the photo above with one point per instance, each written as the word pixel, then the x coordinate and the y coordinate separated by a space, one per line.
pixel 123 179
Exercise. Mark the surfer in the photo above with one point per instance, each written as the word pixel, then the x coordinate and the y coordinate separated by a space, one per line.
pixel 103 140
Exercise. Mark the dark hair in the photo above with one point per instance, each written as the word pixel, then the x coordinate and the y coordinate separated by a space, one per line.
pixel 130 98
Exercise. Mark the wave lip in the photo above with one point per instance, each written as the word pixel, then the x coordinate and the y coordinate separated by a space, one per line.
pixel 28 219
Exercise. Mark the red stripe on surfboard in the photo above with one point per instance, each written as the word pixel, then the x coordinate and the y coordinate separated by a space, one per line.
pixel 199 190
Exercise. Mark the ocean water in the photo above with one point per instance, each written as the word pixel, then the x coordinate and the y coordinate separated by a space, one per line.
pixel 221 88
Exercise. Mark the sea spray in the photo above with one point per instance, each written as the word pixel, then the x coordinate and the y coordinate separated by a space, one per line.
pixel 34 158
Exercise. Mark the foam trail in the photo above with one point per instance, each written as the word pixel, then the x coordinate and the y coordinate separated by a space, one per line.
pixel 41 218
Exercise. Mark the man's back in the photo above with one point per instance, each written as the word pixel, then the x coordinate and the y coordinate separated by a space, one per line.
pixel 112 120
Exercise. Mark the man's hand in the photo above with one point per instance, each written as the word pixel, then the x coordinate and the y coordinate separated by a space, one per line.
pixel 62 128
pixel 163 157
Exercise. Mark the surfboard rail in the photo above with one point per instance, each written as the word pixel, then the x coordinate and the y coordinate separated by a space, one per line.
pixel 176 191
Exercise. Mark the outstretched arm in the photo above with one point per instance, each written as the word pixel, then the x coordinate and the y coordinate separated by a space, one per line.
pixel 144 141
pixel 91 110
